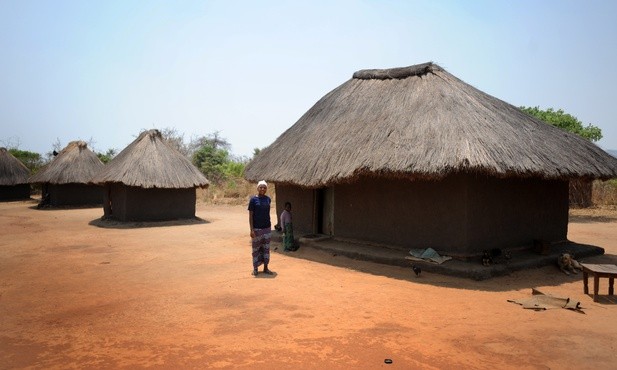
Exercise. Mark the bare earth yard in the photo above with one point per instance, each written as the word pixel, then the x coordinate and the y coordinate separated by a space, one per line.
pixel 74 294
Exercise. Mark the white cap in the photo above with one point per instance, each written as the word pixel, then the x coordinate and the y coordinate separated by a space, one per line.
pixel 262 182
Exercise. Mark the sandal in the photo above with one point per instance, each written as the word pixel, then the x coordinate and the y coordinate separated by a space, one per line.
pixel 254 273
pixel 268 272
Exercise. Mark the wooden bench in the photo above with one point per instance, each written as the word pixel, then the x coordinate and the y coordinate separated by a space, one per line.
pixel 598 271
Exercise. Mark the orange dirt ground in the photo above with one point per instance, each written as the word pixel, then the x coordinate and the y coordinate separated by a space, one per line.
pixel 74 294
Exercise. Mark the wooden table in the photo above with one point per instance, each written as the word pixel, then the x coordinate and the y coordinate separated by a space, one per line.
pixel 598 271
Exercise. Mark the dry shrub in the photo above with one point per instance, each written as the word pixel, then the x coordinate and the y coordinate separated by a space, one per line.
pixel 234 191
pixel 605 193
pixel 580 193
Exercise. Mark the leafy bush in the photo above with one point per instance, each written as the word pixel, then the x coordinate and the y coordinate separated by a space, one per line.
pixel 232 169
pixel 107 156
pixel 565 121
pixel 32 160
pixel 210 162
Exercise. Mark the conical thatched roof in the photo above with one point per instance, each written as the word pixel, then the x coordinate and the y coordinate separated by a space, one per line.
pixel 148 162
pixel 75 164
pixel 12 171
pixel 421 122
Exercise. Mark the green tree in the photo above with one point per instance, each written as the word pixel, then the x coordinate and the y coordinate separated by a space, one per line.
pixel 209 153
pixel 232 169
pixel 256 151
pixel 32 160
pixel 210 161
pixel 107 156
pixel 565 121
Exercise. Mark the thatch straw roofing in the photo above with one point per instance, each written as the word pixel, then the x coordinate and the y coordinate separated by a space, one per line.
pixel 148 162
pixel 75 164
pixel 421 122
pixel 12 171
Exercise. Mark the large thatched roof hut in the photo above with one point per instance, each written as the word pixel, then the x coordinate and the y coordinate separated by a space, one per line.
pixel 13 177
pixel 414 157
pixel 150 181
pixel 66 179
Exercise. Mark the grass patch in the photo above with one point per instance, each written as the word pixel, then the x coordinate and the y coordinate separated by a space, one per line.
pixel 604 193
pixel 233 191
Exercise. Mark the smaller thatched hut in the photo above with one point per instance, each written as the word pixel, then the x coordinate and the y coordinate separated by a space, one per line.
pixel 66 179
pixel 150 181
pixel 13 177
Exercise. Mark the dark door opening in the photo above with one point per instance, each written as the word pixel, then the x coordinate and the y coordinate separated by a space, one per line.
pixel 319 211
pixel 324 215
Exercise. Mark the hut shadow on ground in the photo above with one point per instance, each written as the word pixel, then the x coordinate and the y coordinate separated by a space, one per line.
pixel 527 269
pixel 602 259
pixel 64 207
pixel 116 224
pixel 20 200
pixel 585 219
pixel 599 214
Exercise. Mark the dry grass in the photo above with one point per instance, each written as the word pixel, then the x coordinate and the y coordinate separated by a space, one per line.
pixel 231 192
pixel 603 213
pixel 605 193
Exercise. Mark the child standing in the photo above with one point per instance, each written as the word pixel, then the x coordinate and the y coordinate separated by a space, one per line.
pixel 288 238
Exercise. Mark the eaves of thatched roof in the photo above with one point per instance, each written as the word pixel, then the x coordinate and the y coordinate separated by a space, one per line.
pixel 149 162
pixel 75 164
pixel 421 122
pixel 12 171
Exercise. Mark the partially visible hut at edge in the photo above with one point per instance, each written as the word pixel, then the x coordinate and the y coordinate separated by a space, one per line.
pixel 413 157
pixel 13 177
pixel 66 179
pixel 150 181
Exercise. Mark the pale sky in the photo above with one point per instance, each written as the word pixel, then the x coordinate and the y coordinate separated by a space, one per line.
pixel 105 70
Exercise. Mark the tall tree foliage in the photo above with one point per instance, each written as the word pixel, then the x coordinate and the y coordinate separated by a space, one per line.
pixel 32 160
pixel 565 121
pixel 209 153
pixel 107 156
pixel 210 162
pixel 213 159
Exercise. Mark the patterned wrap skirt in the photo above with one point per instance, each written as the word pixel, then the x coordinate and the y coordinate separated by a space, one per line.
pixel 288 239
pixel 261 247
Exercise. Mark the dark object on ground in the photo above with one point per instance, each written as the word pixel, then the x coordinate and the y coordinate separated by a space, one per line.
pixel 416 270
pixel 542 247
pixel 487 260
pixel 495 255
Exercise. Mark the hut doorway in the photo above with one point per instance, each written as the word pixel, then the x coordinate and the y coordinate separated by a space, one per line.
pixel 324 215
